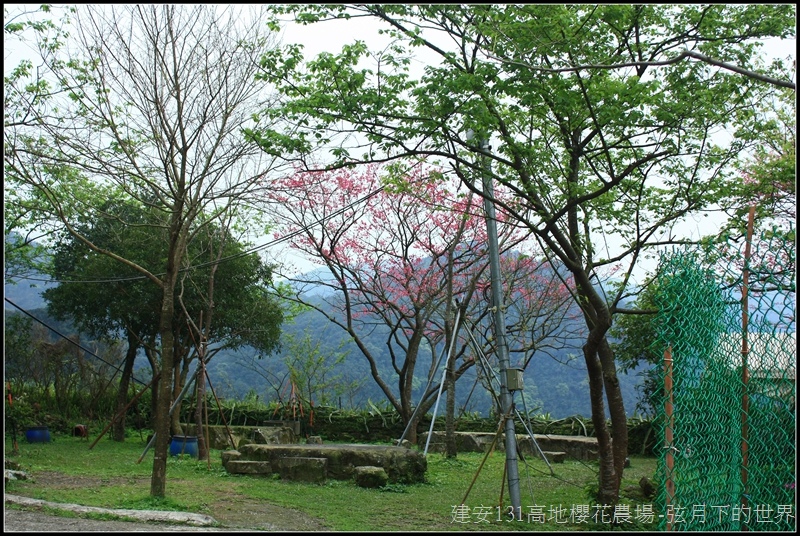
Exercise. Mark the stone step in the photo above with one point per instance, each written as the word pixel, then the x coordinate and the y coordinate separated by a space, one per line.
pixel 248 467
pixel 555 457
pixel 302 468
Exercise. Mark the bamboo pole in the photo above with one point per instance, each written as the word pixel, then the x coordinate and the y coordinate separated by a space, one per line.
pixel 219 407
pixel 124 411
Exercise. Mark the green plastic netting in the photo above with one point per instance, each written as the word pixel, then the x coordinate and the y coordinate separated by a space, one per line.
pixel 727 418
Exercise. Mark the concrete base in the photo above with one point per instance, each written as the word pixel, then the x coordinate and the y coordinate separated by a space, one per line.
pixel 187 518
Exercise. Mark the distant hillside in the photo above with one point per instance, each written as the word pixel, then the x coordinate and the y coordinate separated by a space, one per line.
pixel 27 294
pixel 556 385
pixel 25 289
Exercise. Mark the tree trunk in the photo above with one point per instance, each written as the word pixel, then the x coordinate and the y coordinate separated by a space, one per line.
pixel 411 424
pixel 202 449
pixel 608 488
pixel 612 445
pixel 451 450
pixel 118 429
pixel 158 480
pixel 616 408
pixel 603 373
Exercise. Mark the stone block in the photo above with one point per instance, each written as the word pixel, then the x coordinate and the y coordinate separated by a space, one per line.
pixel 274 436
pixel 302 469
pixel 576 447
pixel 403 465
pixel 368 476
pixel 246 467
pixel 11 474
pixel 230 455
pixel 555 457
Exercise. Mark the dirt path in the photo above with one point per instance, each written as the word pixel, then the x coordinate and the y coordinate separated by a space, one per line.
pixel 228 514
pixel 37 521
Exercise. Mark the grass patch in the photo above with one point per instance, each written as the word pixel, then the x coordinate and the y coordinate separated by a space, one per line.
pixel 118 481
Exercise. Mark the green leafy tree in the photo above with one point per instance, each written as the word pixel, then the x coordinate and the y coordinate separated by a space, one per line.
pixel 24 254
pixel 606 124
pixel 316 373
pixel 635 339
pixel 104 299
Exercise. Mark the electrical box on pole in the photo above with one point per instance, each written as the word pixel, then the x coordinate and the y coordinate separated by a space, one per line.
pixel 514 379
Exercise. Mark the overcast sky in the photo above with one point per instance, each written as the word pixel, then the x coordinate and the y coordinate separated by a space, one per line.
pixel 330 36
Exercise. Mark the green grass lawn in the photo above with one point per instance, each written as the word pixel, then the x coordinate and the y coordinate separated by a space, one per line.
pixel 113 479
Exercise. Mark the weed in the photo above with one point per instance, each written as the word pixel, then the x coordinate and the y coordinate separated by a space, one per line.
pixel 394 488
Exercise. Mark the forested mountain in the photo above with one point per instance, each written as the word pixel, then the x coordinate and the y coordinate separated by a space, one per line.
pixel 26 294
pixel 554 384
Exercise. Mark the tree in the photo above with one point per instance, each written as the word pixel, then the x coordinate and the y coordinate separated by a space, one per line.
pixel 150 101
pixel 606 143
pixel 106 300
pixel 769 177
pixel 400 259
pixel 23 252
pixel 634 338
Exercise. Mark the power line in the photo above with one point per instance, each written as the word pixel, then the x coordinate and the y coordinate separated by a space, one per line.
pixel 54 330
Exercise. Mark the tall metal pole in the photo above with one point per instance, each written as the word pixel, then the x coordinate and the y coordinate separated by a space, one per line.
pixel 506 400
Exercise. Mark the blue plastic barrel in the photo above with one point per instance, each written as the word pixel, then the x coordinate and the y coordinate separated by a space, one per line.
pixel 37 434
pixel 183 445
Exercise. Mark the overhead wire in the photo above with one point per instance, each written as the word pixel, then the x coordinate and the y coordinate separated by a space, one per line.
pixel 54 330
pixel 288 236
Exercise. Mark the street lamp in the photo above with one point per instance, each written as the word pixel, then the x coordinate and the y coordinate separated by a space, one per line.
pixel 506 399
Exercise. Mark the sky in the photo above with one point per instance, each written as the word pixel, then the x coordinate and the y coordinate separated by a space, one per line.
pixel 330 36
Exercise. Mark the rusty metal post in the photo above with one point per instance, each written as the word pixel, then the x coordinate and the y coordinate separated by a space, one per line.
pixel 668 434
pixel 745 352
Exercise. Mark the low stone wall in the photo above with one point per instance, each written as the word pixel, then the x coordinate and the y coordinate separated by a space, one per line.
pixel 576 447
pixel 243 435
